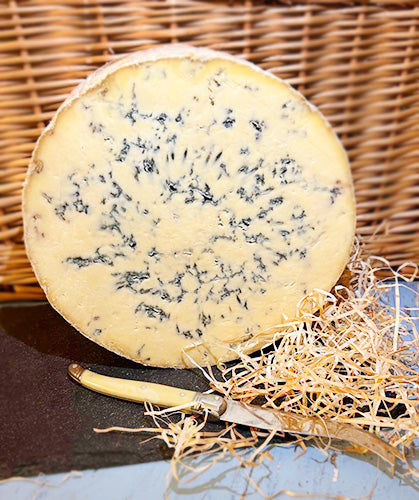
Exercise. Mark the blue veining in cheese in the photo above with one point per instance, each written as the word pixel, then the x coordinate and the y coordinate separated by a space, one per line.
pixel 183 201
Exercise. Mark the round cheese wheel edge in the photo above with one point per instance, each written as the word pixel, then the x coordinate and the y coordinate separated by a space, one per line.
pixel 181 201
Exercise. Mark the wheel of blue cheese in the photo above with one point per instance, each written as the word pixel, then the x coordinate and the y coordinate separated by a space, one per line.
pixel 182 202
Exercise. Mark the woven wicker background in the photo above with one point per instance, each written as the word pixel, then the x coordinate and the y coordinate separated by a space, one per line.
pixel 357 60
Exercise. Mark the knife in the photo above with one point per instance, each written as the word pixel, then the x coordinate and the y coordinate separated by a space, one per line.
pixel 228 410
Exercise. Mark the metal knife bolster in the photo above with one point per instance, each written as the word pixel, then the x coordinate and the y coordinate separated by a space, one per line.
pixel 215 405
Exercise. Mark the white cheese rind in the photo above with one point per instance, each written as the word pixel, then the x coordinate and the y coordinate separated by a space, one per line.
pixel 182 200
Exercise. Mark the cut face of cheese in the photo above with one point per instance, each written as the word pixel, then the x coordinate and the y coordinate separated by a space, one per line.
pixel 183 201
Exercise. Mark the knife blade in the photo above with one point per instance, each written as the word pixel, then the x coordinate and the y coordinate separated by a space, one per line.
pixel 228 410
pixel 269 419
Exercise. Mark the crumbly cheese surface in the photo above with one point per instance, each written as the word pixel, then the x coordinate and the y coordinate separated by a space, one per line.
pixel 183 203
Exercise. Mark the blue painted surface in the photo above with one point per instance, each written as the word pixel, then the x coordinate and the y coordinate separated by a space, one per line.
pixel 352 476
pixel 310 474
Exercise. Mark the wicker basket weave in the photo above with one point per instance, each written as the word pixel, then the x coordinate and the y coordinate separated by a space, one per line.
pixel 358 61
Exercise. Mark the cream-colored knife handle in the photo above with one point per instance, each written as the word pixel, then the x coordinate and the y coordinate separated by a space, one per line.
pixel 132 390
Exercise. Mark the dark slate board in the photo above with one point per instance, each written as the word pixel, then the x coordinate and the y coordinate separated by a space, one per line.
pixel 46 419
